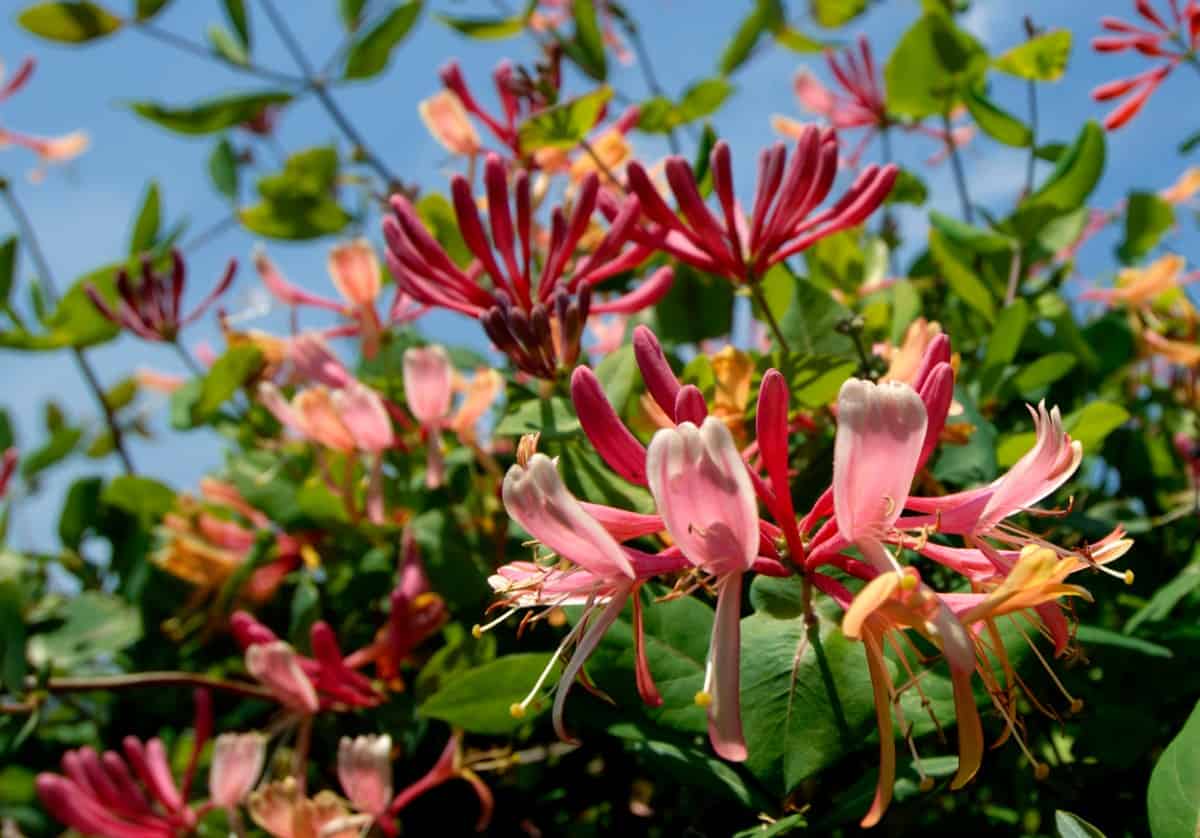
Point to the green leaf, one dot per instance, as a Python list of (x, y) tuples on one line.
[(1043, 372), (553, 418), (56, 449), (783, 826), (439, 217), (451, 557), (1004, 342), (1173, 797), (8, 268), (461, 653), (294, 221), (618, 374), (961, 278), (975, 462), (369, 55), (305, 608), (810, 321), (800, 711), (147, 9), (480, 700), (586, 49), (975, 239), (351, 12), (212, 115), (226, 376), (932, 62), (1043, 58), (298, 202), (1166, 598), (144, 498), (223, 169), (1075, 176), (1103, 637), (12, 637), (1073, 826), (660, 116), (908, 189), (1189, 143), (707, 298), (146, 225), (766, 16), (226, 45), (96, 625), (1147, 218), (235, 12), (816, 379), (489, 28), (1094, 422), (997, 123), (797, 41), (563, 125), (69, 22), (834, 13), (79, 510)]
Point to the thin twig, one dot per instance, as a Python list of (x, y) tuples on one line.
[(761, 302), (150, 30), (188, 361), (319, 87), (211, 233), (100, 683), (85, 368), (960, 179)]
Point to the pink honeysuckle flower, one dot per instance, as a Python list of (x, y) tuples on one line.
[(450, 766), (608, 334), (283, 811), (784, 220), (364, 768), (134, 796), (538, 326), (352, 418), (447, 122), (428, 389), (151, 309), (478, 396), (355, 272), (704, 495), (1173, 43), (237, 762), (335, 683), (48, 149), (8, 465), (606, 575)]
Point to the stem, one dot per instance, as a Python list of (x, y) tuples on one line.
[(960, 180), (209, 234), (188, 360), (85, 368), (149, 679), (765, 310), (1033, 128), (608, 173), (812, 627), (318, 86), (150, 30), (888, 221), (647, 68), (1014, 277)]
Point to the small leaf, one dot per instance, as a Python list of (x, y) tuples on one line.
[(1094, 422), (227, 375), (835, 13), (707, 297), (97, 625), (552, 418), (223, 169), (1103, 637), (79, 510), (351, 12), (564, 125), (797, 41), (212, 115), (294, 222), (12, 637), (1043, 372), (997, 123), (1164, 600), (973, 238), (370, 54), (57, 448), (226, 45), (1043, 58), (488, 28), (144, 498), (69, 22), (586, 49), (480, 700), (438, 215), (1005, 341), (1073, 826), (766, 16), (8, 268), (146, 225), (235, 12), (1076, 175), (147, 9), (908, 189), (1173, 797), (961, 278), (1147, 218)]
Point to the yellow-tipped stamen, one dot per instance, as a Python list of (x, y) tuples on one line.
[(703, 699), (477, 631), (562, 647), (517, 710), (1046, 665)]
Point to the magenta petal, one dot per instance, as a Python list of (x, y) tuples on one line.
[(650, 292), (656, 372), (591, 639), (937, 392), (690, 405), (725, 712), (613, 441)]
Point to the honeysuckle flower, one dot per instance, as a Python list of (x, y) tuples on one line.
[(151, 308), (608, 334), (1180, 352), (130, 796), (784, 220), (537, 325), (1173, 43), (364, 768), (479, 393), (704, 495), (283, 811), (295, 679), (732, 371), (355, 273), (352, 418), (606, 574), (450, 766), (428, 389), (1147, 287), (237, 762), (48, 149), (8, 465), (1183, 189), (552, 14), (447, 122)]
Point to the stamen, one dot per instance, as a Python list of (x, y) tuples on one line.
[(477, 630), (517, 710), (1076, 704)]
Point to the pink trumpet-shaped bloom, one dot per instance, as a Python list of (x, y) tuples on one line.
[(129, 796), (449, 767), (313, 361), (355, 272), (1173, 42), (428, 389), (703, 492), (364, 768), (48, 149), (352, 418), (237, 762), (785, 218), (880, 434), (277, 667), (446, 120)]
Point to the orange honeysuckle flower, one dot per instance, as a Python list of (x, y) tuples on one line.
[(1182, 190), (283, 811), (1183, 353), (1154, 285), (447, 122)]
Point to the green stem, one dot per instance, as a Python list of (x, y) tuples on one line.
[(104, 683), (960, 178), (812, 630), (181, 43), (761, 301)]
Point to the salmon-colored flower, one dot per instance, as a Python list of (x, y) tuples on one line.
[(49, 150), (446, 120), (428, 383), (349, 419), (1145, 287), (364, 768), (237, 762), (282, 810), (1183, 353), (1183, 189)]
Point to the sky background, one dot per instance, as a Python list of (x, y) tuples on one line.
[(83, 212)]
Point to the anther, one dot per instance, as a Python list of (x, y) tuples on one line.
[(703, 699)]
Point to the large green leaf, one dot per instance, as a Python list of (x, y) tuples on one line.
[(96, 626), (370, 54), (299, 201), (1043, 58), (226, 376), (144, 498), (69, 22), (480, 700), (996, 122), (1076, 175), (552, 418), (212, 115), (810, 322), (1167, 597), (1147, 218), (586, 49), (932, 62), (956, 269), (1174, 794), (708, 301), (766, 16), (564, 125), (146, 225)]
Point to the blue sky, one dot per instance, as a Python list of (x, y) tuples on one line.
[(83, 212)]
